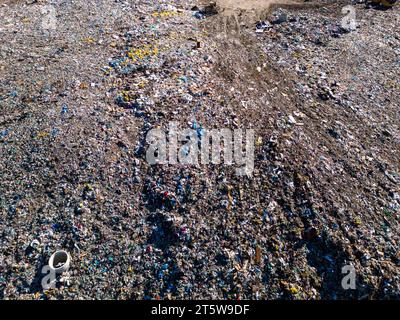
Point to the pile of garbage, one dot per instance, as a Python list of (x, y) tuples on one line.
[(321, 96)]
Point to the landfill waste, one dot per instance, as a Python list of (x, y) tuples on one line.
[(60, 261), (78, 98)]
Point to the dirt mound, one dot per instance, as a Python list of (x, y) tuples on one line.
[(261, 8), (247, 12), (253, 5)]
